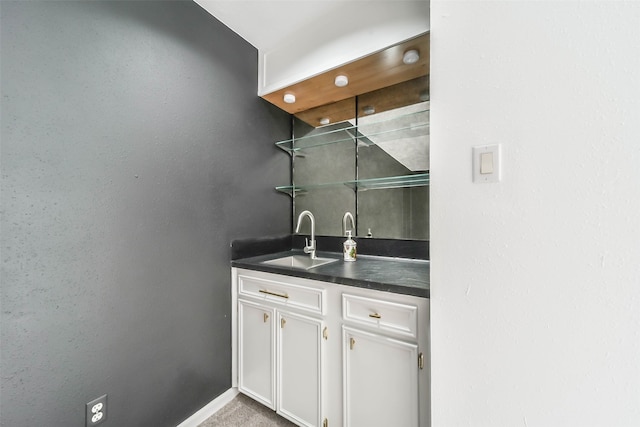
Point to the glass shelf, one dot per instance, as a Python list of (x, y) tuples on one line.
[(404, 181), (365, 132)]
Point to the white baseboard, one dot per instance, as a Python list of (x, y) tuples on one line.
[(210, 408)]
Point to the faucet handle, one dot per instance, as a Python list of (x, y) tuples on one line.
[(308, 248)]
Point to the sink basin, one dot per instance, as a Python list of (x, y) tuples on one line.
[(303, 262)]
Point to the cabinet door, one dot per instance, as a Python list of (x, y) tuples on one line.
[(256, 352), (380, 381), (300, 368)]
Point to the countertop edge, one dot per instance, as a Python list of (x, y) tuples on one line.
[(254, 263)]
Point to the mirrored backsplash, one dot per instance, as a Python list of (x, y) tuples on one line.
[(375, 166)]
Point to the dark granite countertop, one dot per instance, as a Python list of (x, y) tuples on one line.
[(397, 275)]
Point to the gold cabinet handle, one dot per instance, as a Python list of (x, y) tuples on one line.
[(282, 322), (262, 291), (375, 316), (325, 423), (266, 317), (352, 343), (325, 333), (421, 361)]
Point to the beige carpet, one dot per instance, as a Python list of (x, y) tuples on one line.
[(245, 412)]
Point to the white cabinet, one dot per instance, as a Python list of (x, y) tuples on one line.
[(257, 352), (280, 346), (327, 354), (383, 345), (380, 380), (300, 364)]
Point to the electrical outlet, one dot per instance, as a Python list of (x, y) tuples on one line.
[(96, 411)]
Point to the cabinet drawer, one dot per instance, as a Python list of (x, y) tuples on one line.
[(379, 314), (297, 296)]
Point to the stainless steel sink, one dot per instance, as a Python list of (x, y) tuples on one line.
[(303, 262)]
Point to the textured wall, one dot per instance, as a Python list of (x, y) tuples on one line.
[(535, 281), (134, 149)]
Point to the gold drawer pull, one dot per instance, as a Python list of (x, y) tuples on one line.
[(282, 322), (325, 333), (266, 317), (262, 291), (352, 343), (421, 361), (375, 316)]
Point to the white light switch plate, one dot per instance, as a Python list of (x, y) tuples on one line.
[(486, 163)]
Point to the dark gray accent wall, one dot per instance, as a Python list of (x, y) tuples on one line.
[(134, 149)]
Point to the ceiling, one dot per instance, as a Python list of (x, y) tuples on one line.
[(267, 24)]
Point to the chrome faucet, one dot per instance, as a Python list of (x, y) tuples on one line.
[(346, 216), (310, 247)]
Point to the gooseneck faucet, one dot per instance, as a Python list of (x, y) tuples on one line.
[(310, 247), (346, 216)]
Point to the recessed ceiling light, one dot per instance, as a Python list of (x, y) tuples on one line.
[(411, 56), (368, 109), (289, 98), (341, 81), (325, 121)]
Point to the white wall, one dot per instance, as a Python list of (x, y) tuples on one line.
[(536, 280)]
